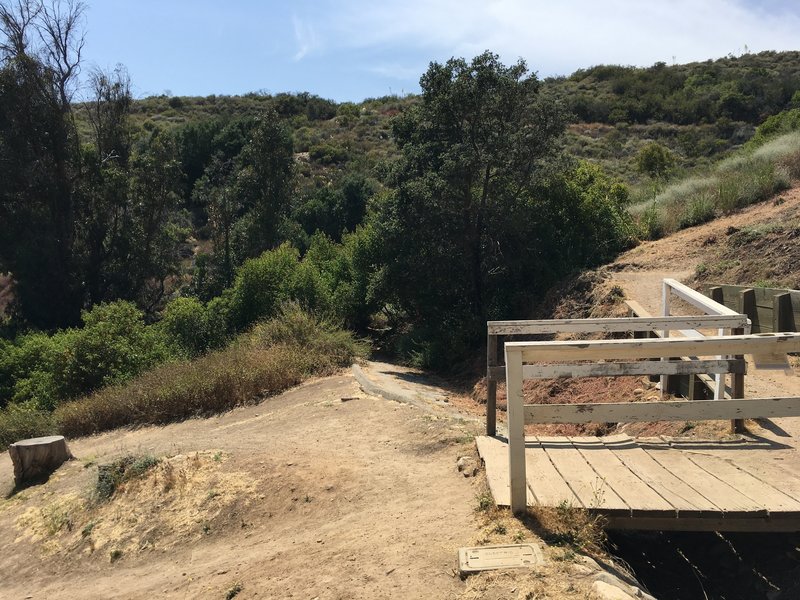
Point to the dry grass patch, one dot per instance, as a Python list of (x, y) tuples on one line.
[(160, 504), (275, 356)]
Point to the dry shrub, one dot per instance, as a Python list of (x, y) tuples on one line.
[(214, 383), (571, 526), (275, 356), (20, 422)]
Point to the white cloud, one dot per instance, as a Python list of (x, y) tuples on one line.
[(397, 70), (306, 37), (559, 36)]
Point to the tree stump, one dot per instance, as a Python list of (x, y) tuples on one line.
[(37, 457)]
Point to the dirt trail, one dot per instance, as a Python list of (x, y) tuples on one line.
[(321, 492)]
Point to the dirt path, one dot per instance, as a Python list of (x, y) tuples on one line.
[(322, 492)]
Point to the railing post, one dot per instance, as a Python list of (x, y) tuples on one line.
[(665, 333), (491, 385), (516, 431), (719, 378), (737, 389)]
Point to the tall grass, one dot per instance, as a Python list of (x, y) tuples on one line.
[(741, 180), (274, 356)]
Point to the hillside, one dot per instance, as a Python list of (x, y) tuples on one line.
[(699, 110)]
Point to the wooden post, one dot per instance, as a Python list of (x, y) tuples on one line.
[(737, 390), (781, 312), (747, 305), (665, 333), (716, 294), (692, 382), (516, 432), (491, 385)]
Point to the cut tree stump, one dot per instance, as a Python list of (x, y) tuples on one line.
[(37, 457)]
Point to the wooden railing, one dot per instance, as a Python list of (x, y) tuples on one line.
[(496, 330), (518, 356), (671, 287)]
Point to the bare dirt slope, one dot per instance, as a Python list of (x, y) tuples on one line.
[(304, 496)]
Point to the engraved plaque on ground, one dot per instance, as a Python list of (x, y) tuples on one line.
[(485, 558)]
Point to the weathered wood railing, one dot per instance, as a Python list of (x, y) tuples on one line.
[(495, 370), (670, 288), (518, 355)]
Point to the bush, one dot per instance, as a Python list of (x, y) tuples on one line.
[(266, 361), (18, 422), (262, 284), (113, 346), (27, 370), (185, 323), (655, 160), (332, 347)]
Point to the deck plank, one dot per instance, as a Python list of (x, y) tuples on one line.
[(545, 483), (650, 485), (718, 491), (588, 486), (688, 501), (494, 453), (760, 492), (639, 496)]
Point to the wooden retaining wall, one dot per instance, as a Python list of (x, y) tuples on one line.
[(771, 310)]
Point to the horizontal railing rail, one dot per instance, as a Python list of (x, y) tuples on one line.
[(495, 370)]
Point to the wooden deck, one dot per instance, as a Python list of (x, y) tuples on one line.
[(651, 485)]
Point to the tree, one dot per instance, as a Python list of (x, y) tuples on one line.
[(473, 150), (40, 53), (655, 160), (86, 220)]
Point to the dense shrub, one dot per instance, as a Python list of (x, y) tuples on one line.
[(114, 345), (262, 284), (191, 326)]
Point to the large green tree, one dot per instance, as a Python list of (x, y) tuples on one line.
[(85, 220), (40, 49), (473, 150)]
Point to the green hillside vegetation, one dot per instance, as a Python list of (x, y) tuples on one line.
[(769, 163)]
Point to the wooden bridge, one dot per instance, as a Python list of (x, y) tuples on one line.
[(678, 484)]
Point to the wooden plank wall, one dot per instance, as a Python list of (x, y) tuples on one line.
[(771, 310)]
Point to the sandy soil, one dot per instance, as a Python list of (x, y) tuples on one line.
[(304, 496)]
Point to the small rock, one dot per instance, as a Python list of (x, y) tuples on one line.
[(581, 570), (606, 591), (464, 462)]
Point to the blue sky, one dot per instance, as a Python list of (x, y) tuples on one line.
[(352, 49)]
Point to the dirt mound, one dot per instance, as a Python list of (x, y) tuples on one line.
[(180, 500)]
